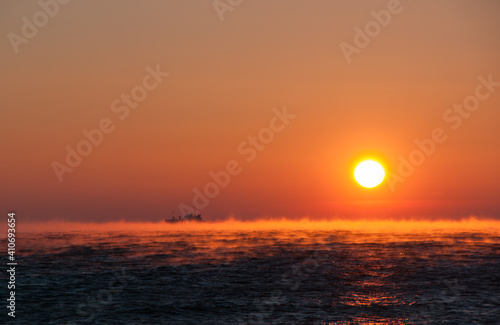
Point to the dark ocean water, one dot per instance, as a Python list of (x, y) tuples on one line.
[(256, 277)]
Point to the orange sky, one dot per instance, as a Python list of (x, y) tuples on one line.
[(227, 79)]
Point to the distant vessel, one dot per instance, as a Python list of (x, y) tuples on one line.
[(187, 218)]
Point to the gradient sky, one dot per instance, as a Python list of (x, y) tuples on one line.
[(225, 78)]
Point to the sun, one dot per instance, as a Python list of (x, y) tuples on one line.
[(369, 173)]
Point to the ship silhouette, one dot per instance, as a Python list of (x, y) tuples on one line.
[(189, 217)]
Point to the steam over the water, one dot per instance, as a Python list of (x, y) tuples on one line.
[(341, 224), (281, 272)]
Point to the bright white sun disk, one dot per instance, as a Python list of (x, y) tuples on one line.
[(369, 173)]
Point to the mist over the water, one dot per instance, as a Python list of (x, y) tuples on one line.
[(265, 272), (368, 225)]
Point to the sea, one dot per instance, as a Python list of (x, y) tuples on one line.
[(256, 273)]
